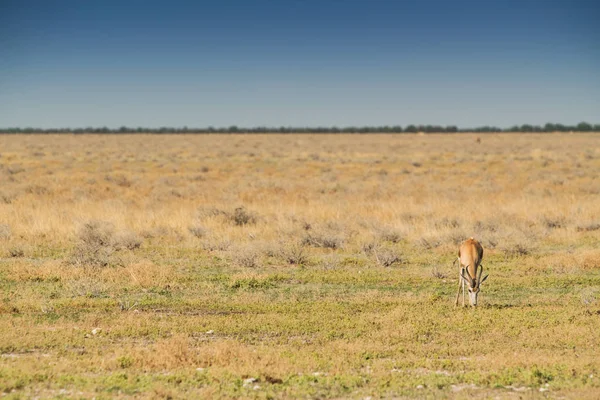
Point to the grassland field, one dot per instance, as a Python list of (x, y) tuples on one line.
[(298, 266)]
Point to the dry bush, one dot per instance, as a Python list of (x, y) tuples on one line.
[(368, 247), (267, 248), (590, 260), (161, 231), (87, 286), (487, 240), (97, 234), (390, 235), (590, 296), (429, 241), (387, 257), (119, 179), (7, 198), (241, 217), (216, 244), (293, 254), (571, 262), (436, 273), (594, 226), (197, 230), (446, 223), (128, 240), (324, 239), (456, 237), (485, 226), (516, 250), (553, 222), (98, 243), (16, 252), (4, 231), (37, 190), (330, 261), (208, 212), (247, 257)]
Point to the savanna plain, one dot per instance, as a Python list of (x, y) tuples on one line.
[(298, 266)]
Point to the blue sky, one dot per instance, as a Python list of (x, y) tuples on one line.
[(298, 62)]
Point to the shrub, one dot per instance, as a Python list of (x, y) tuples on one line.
[(389, 235), (216, 245), (429, 242), (293, 254), (589, 227), (128, 240), (516, 250), (243, 217), (327, 240), (387, 257), (197, 230), (4, 231), (246, 257), (97, 234), (120, 180), (16, 252), (98, 242)]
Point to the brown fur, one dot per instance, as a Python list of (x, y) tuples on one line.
[(470, 254)]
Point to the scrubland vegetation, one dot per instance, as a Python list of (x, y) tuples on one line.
[(298, 266)]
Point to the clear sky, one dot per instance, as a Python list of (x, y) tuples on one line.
[(298, 62)]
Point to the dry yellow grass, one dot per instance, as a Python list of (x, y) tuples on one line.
[(297, 265)]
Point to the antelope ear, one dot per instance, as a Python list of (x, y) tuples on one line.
[(483, 280)]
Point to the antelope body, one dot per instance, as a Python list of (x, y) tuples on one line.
[(470, 254)]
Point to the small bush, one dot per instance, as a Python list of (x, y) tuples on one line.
[(369, 247), (554, 223), (215, 245), (120, 180), (387, 257), (293, 254), (436, 273), (197, 230), (207, 212), (247, 258), (97, 234), (429, 242), (128, 240), (330, 261), (252, 284), (590, 296), (159, 231), (391, 236), (7, 198), (589, 227), (87, 287), (482, 226), (37, 190), (516, 250), (447, 223), (16, 252), (456, 237), (325, 240), (4, 231), (98, 242), (243, 217)]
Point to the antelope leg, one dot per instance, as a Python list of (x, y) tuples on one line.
[(463, 281), (458, 292)]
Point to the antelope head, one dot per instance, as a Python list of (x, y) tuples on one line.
[(473, 283)]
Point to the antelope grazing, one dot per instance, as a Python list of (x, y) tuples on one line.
[(470, 254)]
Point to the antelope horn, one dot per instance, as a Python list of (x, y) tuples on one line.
[(468, 277), (480, 272)]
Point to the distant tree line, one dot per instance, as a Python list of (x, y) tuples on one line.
[(549, 127)]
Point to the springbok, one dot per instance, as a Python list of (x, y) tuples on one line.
[(470, 254)]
